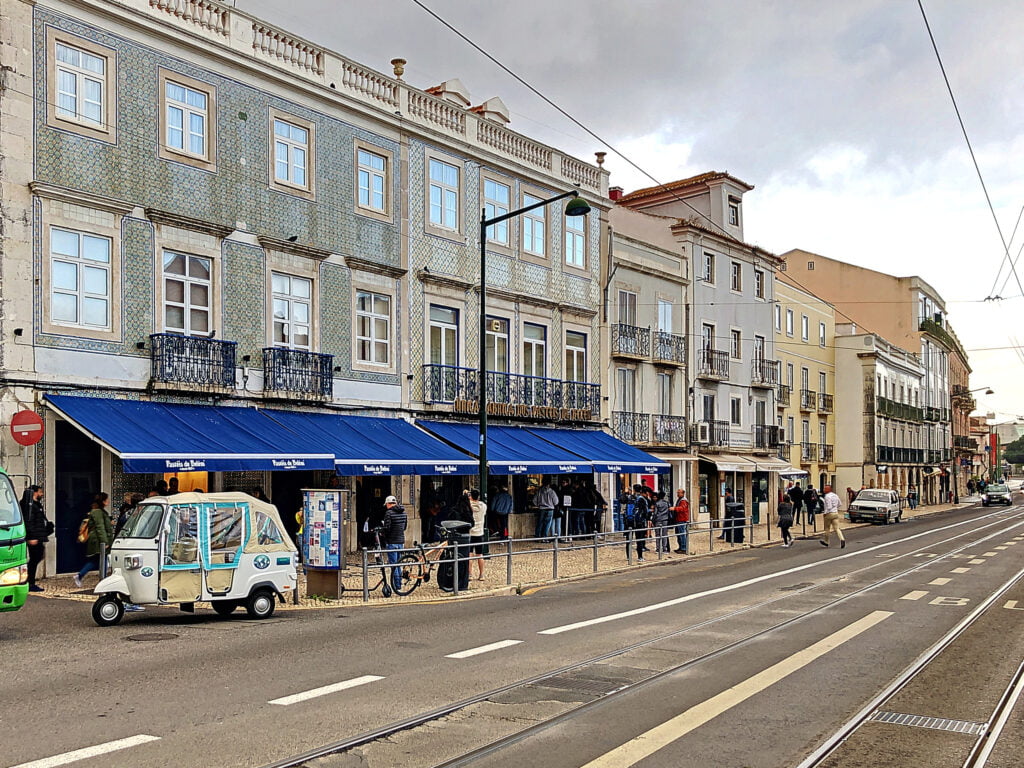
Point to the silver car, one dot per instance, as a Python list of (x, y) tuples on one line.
[(996, 494), (879, 505)]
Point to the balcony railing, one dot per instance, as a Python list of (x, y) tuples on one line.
[(631, 427), (825, 453), (669, 430), (808, 399), (631, 340), (713, 364), (512, 394), (669, 348), (934, 456), (890, 455), (192, 362), (767, 436), (808, 452), (824, 402), (782, 395), (964, 443), (296, 373), (896, 410), (932, 414), (764, 373), (712, 432)]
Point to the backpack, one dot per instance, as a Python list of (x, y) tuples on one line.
[(627, 506), (641, 513), (83, 530)]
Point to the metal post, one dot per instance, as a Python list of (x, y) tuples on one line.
[(657, 541), (482, 376), (629, 549), (366, 578), (455, 568), (508, 562), (595, 552), (554, 558)]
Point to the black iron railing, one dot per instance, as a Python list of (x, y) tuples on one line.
[(669, 347), (713, 364), (896, 410), (825, 453), (192, 360), (964, 443), (890, 454), (782, 395), (825, 402), (808, 399), (631, 427), (767, 436), (764, 373), (712, 432), (932, 414), (631, 340), (808, 452), (669, 430), (297, 373)]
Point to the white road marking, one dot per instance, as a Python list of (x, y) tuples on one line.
[(960, 570), (957, 601), (87, 752), (976, 561), (1012, 605), (990, 554), (1001, 548), (737, 585), (483, 649), (646, 744), (939, 582), (917, 594), (1009, 543), (295, 698)]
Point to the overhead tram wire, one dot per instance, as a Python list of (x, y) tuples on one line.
[(1006, 247)]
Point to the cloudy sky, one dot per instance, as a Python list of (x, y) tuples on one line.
[(835, 111)]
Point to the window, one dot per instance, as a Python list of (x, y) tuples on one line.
[(734, 344), (576, 241), (709, 267), (291, 154), (734, 410), (665, 394), (371, 180), (789, 322), (187, 117), (575, 356), (823, 432), (81, 86), (534, 226), (627, 308), (707, 336), (789, 377), (789, 429), (810, 266), (759, 283), (373, 328), (187, 294), (444, 336), (444, 195), (497, 345), (80, 279), (821, 334), (664, 316), (734, 211), (759, 347), (708, 407), (805, 431), (736, 280), (292, 299), (625, 385), (805, 379), (496, 203), (804, 327), (821, 382), (778, 317), (760, 412), (534, 350)]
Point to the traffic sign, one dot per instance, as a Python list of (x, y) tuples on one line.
[(27, 428)]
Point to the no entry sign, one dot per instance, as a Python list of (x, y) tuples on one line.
[(27, 427)]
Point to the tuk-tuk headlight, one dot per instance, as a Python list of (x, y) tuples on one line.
[(132, 562), (14, 576)]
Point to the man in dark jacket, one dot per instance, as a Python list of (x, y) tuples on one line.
[(393, 536), (37, 531), (641, 521), (796, 495)]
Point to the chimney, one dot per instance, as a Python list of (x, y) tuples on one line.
[(614, 193), (493, 109), (452, 91)]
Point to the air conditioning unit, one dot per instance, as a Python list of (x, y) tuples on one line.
[(703, 433)]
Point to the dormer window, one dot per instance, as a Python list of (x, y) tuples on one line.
[(734, 211)]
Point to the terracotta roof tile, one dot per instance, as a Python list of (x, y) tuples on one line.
[(671, 186)]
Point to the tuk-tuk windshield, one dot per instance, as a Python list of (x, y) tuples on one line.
[(144, 522), (10, 510)]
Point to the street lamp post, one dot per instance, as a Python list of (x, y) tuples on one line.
[(956, 457), (575, 207)]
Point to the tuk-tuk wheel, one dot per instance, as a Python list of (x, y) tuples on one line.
[(108, 610), (260, 604), (224, 607)]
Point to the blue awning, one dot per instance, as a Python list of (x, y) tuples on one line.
[(606, 453), (368, 445), (511, 450), (169, 437)]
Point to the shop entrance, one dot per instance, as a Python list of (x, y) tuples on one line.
[(370, 495), (77, 460), (286, 494)]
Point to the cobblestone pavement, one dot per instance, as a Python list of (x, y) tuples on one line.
[(533, 563)]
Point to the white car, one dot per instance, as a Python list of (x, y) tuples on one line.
[(877, 505)]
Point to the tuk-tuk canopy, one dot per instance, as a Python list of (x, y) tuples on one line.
[(260, 518)]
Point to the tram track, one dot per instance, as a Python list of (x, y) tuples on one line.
[(996, 520)]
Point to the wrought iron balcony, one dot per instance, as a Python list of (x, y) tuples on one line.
[(808, 452), (782, 395), (669, 348), (711, 432), (934, 456), (892, 455), (631, 427), (192, 363), (767, 437), (965, 443), (631, 340), (297, 374), (512, 394), (895, 410), (764, 373), (669, 430), (713, 364), (825, 453), (824, 402), (932, 414), (808, 399)]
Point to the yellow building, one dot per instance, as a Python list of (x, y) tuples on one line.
[(804, 344)]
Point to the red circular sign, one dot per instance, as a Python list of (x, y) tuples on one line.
[(27, 428)]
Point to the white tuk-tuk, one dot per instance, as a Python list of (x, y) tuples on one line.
[(227, 549)]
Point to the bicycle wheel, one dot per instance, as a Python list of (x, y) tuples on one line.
[(412, 573)]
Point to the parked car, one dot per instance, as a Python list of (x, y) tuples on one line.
[(997, 494), (876, 505)]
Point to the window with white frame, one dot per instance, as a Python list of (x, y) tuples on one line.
[(497, 197), (497, 345), (444, 336), (821, 334), (534, 350), (736, 276), (707, 336), (821, 382), (759, 347), (735, 406), (735, 344), (804, 327), (805, 379), (534, 225), (789, 377), (576, 241), (709, 267), (708, 407), (789, 322), (292, 299), (734, 211), (187, 119), (664, 316), (80, 279), (759, 283), (575, 356), (778, 318), (625, 385), (627, 308), (373, 328), (823, 432), (81, 85), (372, 180), (291, 153), (665, 393), (444, 195), (187, 294), (789, 429), (805, 431)]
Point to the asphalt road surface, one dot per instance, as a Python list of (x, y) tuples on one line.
[(757, 658)]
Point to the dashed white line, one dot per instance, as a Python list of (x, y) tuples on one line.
[(960, 570), (990, 554), (976, 561), (483, 649), (1003, 547), (939, 582), (87, 752), (917, 594), (295, 698)]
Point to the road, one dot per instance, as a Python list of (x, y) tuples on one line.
[(754, 658)]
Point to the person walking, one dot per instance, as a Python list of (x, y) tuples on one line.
[(393, 536), (785, 521), (970, 487), (811, 503), (912, 496), (37, 532), (545, 500), (831, 517), (101, 533), (682, 517), (477, 541), (501, 508), (796, 497), (661, 519), (641, 521)]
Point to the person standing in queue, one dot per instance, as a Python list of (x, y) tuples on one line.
[(501, 508), (682, 518), (545, 500), (477, 541), (37, 531), (661, 519), (393, 536), (796, 496), (641, 521)]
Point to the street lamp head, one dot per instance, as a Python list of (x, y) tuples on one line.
[(989, 391), (577, 206)]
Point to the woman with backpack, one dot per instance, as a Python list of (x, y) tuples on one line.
[(99, 535)]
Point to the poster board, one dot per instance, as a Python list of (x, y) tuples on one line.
[(323, 528)]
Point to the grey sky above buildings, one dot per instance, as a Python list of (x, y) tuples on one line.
[(835, 111)]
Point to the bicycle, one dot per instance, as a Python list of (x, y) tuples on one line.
[(417, 566), (384, 584)]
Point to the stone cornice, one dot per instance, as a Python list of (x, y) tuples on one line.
[(446, 281), (187, 222), (578, 310), (77, 197), (364, 265)]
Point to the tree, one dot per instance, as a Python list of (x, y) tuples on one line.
[(1014, 452)]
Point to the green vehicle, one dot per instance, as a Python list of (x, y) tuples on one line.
[(13, 549)]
